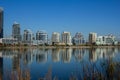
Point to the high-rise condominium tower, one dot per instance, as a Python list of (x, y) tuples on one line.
[(66, 38), (92, 37), (55, 37), (28, 36), (16, 31), (42, 36)]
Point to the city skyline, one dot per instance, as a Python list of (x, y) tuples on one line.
[(73, 16), (42, 37)]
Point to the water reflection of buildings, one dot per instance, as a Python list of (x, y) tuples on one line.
[(15, 72), (41, 55), (28, 56), (13, 54), (92, 55), (16, 63), (101, 53), (66, 55), (55, 55), (78, 53), (1, 66), (107, 53), (10, 53)]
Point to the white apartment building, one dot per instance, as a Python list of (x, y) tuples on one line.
[(92, 37), (28, 36), (66, 38), (106, 40), (55, 37), (8, 41)]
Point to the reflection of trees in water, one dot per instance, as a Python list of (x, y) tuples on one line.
[(17, 73), (1, 68), (95, 70), (107, 70)]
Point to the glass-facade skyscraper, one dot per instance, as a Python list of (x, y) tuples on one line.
[(16, 31), (42, 36), (1, 22), (28, 36), (78, 39)]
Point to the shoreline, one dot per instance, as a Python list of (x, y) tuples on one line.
[(61, 47)]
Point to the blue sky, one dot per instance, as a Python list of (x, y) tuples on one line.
[(101, 16)]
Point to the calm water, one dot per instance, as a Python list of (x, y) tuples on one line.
[(57, 64)]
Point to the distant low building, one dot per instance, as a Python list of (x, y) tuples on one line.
[(8, 41), (78, 39), (38, 42), (106, 40)]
